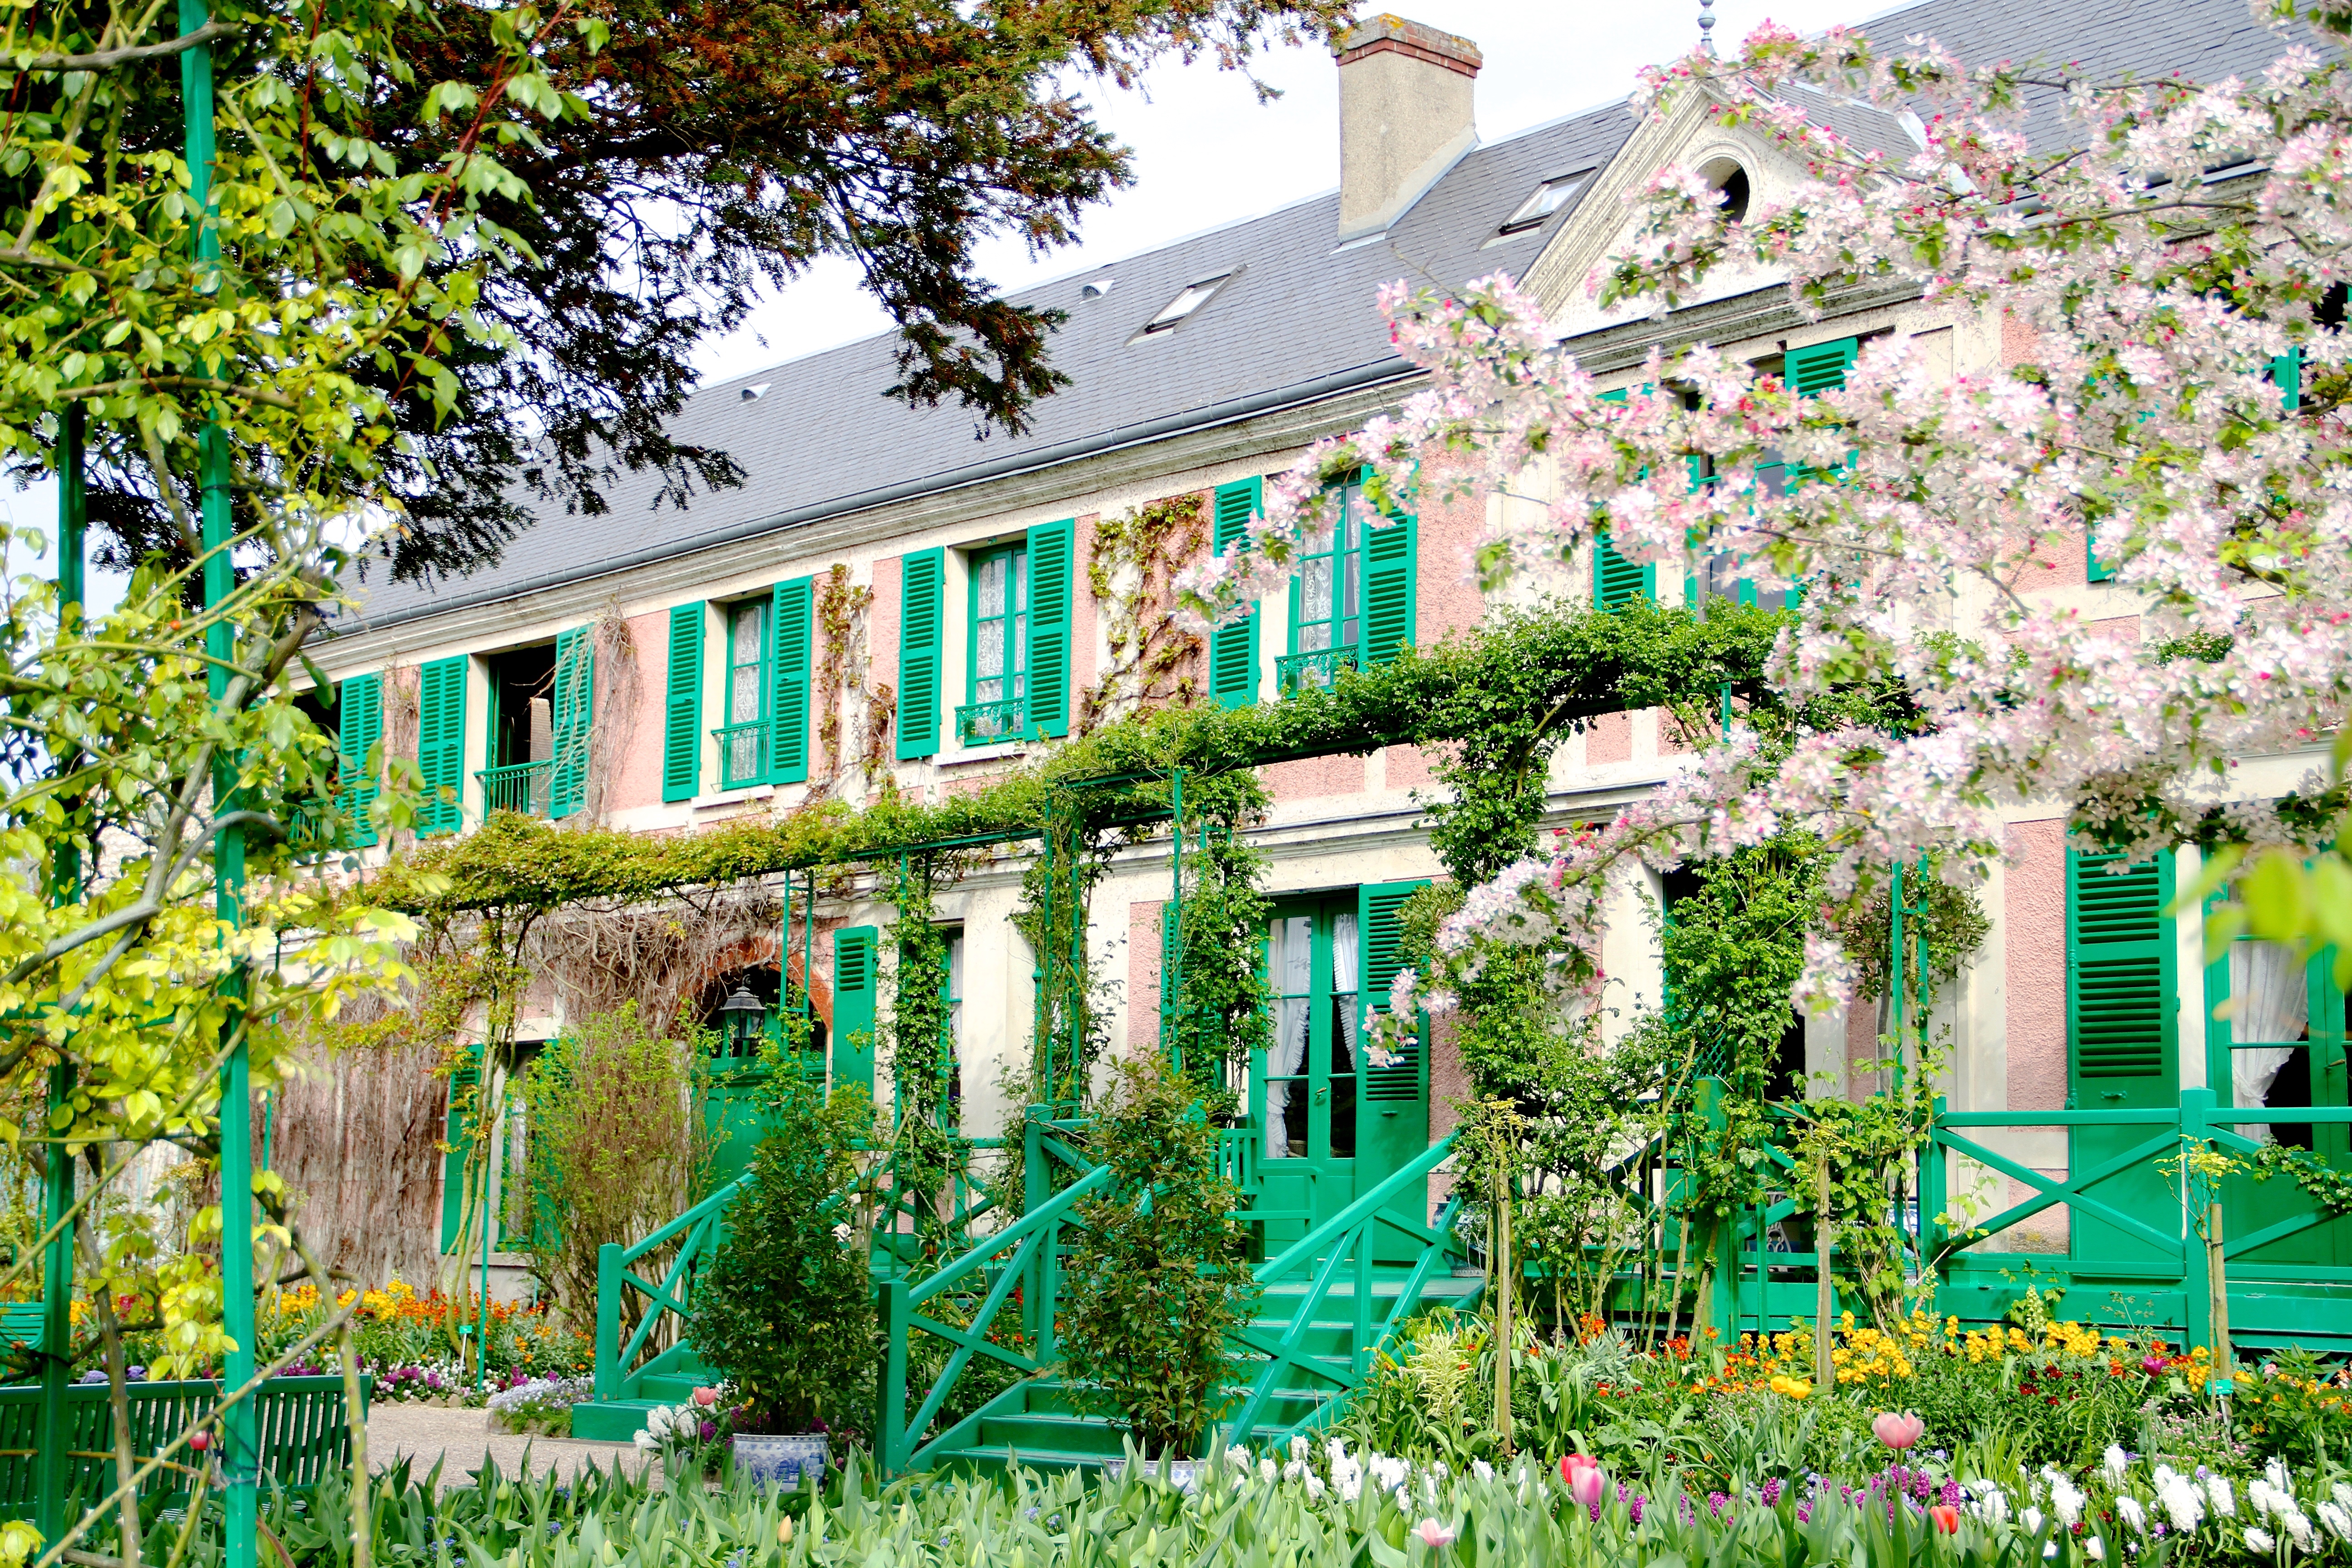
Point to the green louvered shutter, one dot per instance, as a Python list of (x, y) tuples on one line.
[(358, 726), (790, 613), (2119, 982), (922, 581), (1046, 701), (1821, 367), (575, 716), (441, 743), (682, 706), (1393, 1114), (1617, 581), (2121, 1051), (1233, 647), (1390, 567), (853, 1007), (2286, 372)]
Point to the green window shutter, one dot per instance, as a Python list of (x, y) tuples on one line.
[(921, 584), (1821, 367), (458, 1135), (574, 716), (1390, 553), (1047, 699), (2120, 984), (1378, 940), (441, 742), (2097, 570), (682, 708), (790, 613), (358, 726), (1617, 581), (853, 1005), (2286, 371), (1233, 647)]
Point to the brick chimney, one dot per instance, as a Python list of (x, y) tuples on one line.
[(1405, 94)]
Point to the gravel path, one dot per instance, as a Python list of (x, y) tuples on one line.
[(460, 1438)]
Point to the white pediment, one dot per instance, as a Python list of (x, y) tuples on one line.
[(1603, 225)]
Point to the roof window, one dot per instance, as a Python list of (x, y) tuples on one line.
[(1189, 298), (1546, 200)]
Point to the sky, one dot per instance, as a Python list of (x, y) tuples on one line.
[(1207, 153)]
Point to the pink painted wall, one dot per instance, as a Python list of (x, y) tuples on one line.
[(882, 639), (1610, 740), (1313, 778), (1142, 974), (1447, 597), (1409, 768), (2033, 916), (636, 781)]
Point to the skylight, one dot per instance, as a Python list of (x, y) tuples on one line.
[(1191, 297), (1545, 201)]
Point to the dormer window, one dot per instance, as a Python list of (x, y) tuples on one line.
[(1544, 200), (1191, 297)]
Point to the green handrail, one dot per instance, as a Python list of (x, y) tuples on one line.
[(612, 1276)]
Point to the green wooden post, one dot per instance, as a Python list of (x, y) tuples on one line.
[(608, 1322), (2196, 1271), (1035, 1190), (1173, 958), (891, 1419), (57, 1181), (1897, 992)]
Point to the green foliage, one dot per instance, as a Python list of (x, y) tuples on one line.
[(1218, 1012), (786, 1311), (1956, 926), (1160, 1272), (617, 1146)]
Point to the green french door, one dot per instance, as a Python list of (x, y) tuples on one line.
[(1335, 1123), (2275, 1039)]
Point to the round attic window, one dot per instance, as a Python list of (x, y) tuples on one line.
[(1728, 178)]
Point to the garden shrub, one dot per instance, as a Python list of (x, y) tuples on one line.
[(787, 1309), (617, 1148), (1160, 1275)]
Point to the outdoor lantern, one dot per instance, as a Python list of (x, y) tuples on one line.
[(742, 1021)]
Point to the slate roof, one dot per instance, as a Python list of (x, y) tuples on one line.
[(1298, 317)]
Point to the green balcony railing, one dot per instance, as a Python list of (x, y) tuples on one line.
[(519, 786), (1321, 668), (743, 753), (990, 724)]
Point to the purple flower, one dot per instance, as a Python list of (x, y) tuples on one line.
[(1804, 1513), (1636, 1506), (1771, 1491), (710, 1430), (1951, 1494)]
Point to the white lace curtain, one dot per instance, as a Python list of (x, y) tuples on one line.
[(2268, 1006), (1344, 958), (1293, 954)]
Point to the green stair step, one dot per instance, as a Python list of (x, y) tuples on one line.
[(615, 1420)]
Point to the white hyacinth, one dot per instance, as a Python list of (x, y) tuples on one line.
[(2182, 1504), (2032, 1521), (1238, 1457), (2128, 1508), (1482, 1469), (1266, 1472), (1315, 1487), (2298, 1524), (2259, 1540), (2218, 1488), (1989, 1502), (2275, 1473), (1300, 1448), (2337, 1520), (2117, 1462), (2066, 1500), (2094, 1549), (2343, 1496)]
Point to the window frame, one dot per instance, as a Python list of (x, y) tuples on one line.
[(760, 665), (1015, 616)]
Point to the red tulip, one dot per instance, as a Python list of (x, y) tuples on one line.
[(1947, 1518), (200, 1441)]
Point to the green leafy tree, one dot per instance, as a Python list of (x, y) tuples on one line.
[(1160, 1274)]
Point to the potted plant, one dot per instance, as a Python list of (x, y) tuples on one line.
[(1160, 1275), (785, 1311)]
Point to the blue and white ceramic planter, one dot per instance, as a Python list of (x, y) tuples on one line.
[(1184, 1475), (782, 1461)]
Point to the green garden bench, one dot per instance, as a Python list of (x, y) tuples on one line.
[(302, 1432)]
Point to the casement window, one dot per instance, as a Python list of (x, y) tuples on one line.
[(441, 743), (997, 647), (1809, 371), (1233, 647), (742, 733), (1351, 602), (763, 665), (540, 719), (1016, 628)]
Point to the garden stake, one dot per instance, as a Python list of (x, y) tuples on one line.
[(1824, 1296), (2218, 1271), (1503, 1272)]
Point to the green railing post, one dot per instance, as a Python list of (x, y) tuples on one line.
[(891, 1419), (1935, 1179), (57, 1179), (2197, 1273), (608, 1322), (1359, 1358), (1035, 1188)]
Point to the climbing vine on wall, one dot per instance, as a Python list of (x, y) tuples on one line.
[(842, 611), (1131, 568), (1215, 1009)]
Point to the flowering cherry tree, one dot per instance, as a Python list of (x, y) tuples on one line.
[(2163, 257)]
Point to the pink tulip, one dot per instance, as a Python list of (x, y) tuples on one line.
[(706, 1397), (1572, 1463), (1433, 1535), (1587, 1485), (1898, 1431)]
